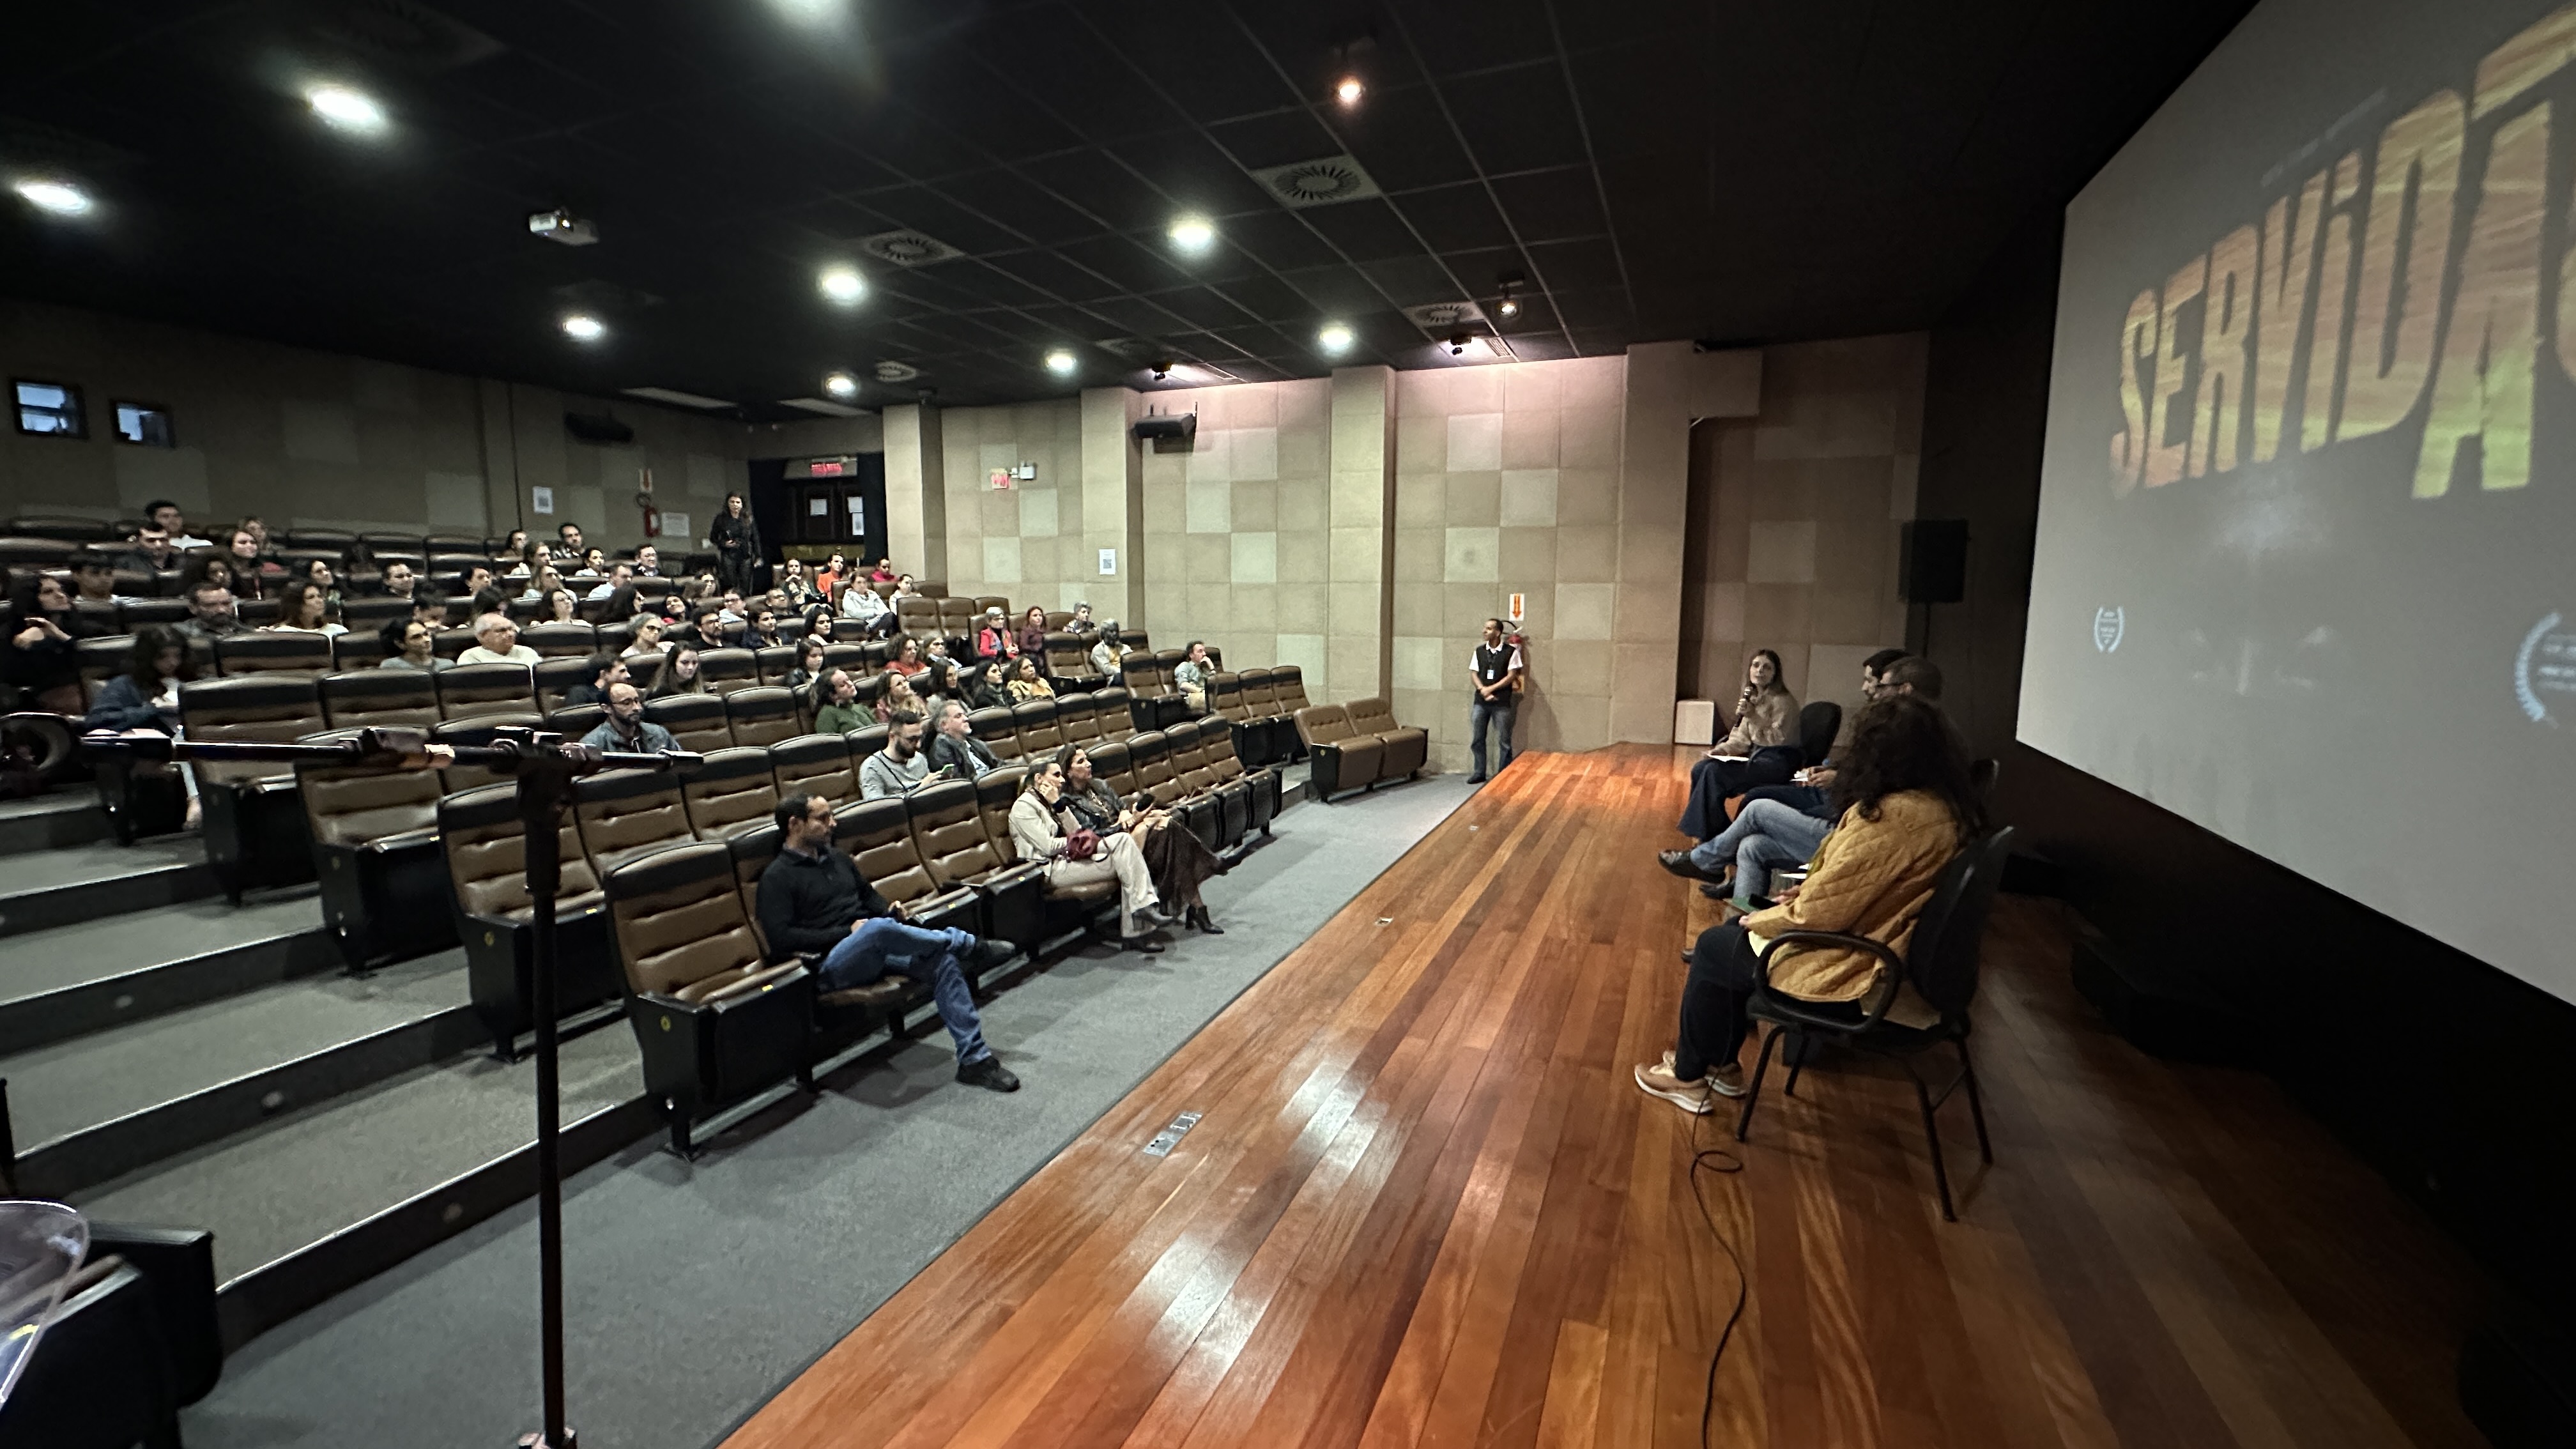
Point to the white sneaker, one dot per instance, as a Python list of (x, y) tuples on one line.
[(1657, 1080)]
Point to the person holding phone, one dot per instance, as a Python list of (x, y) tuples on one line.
[(901, 767)]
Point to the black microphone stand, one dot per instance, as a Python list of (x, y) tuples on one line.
[(544, 766)]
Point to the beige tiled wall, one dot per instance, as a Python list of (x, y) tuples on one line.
[(1023, 542), (1800, 514)]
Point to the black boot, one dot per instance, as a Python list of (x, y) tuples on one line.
[(1200, 918)]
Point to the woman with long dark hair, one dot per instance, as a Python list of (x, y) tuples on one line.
[(1904, 807), (678, 674), (1178, 860), (146, 697), (736, 538), (1760, 749), (302, 608)]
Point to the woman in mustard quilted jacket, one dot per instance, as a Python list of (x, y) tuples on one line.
[(1905, 807)]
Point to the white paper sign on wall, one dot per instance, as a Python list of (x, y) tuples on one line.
[(675, 525), (1108, 563), (541, 500)]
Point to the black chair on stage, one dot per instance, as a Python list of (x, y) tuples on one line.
[(1818, 725), (1940, 962)]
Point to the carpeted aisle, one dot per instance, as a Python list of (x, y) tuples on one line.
[(695, 1290)]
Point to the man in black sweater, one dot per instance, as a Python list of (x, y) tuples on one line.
[(813, 900)]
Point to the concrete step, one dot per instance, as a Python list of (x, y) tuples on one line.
[(71, 883), (100, 1105), (68, 981), (50, 821)]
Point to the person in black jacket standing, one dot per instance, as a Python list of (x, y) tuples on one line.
[(814, 901), (737, 541)]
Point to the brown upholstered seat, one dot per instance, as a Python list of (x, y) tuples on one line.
[(698, 721), (815, 765), (370, 698), (1110, 706), (1344, 759), (576, 640), (878, 836), (726, 670), (1034, 721), (625, 814), (998, 728), (470, 691), (1407, 747), (729, 793), (375, 839), (266, 651), (763, 716)]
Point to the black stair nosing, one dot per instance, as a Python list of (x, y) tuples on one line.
[(175, 883), (65, 1012), (74, 821), (137, 1140), (263, 1297)]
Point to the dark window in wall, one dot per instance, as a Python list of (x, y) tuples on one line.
[(50, 410), (145, 424)]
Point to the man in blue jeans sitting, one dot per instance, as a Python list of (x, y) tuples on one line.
[(813, 901)]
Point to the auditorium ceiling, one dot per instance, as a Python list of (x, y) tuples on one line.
[(1005, 178)]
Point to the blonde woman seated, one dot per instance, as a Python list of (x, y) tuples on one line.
[(1027, 683), (1905, 808), (1048, 834), (1761, 749)]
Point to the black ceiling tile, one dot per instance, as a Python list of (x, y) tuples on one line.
[(1517, 120), (1100, 185), (1594, 307), (1201, 307), (1552, 205), (1279, 240), (1456, 38), (1193, 171), (929, 210), (1126, 264), (1363, 231), (1275, 139), (1454, 218), (1197, 56), (1415, 280), (1341, 293), (1269, 297), (1405, 141), (1053, 275), (1564, 266), (1009, 199)]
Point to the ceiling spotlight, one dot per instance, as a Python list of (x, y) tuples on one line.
[(562, 226), (1162, 368), (1193, 234), (1349, 90), (1508, 308), (1335, 338), (59, 197), (582, 327), (841, 384), (1060, 362), (346, 109), (842, 284)]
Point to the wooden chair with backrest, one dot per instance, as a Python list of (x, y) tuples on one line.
[(1940, 961)]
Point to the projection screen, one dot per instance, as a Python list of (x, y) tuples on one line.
[(2306, 568)]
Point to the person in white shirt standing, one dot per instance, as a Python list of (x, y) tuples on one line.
[(1495, 667)]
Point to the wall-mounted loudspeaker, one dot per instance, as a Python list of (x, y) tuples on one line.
[(1932, 561), (597, 428), (1169, 432)]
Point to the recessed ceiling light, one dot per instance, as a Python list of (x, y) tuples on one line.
[(1334, 338), (1349, 91), (1193, 234), (59, 197), (347, 109), (842, 284), (841, 384), (1060, 362), (1507, 308), (582, 327)]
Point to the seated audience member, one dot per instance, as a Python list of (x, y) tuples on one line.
[(818, 625), (1032, 635), (152, 553), (558, 607), (1761, 749), (809, 664), (474, 580), (830, 574), (861, 603), (568, 547), (907, 659), (94, 576), (814, 903), (731, 609), (1077, 855), (210, 613), (995, 639), (898, 696), (165, 516), (626, 729), (903, 589), (935, 686), (1081, 623), (705, 628), (145, 696), (302, 608), (837, 710), (396, 581), (884, 573), (606, 671), (545, 580), (429, 606), (317, 572), (496, 641), (648, 636), (988, 686), (1027, 683), (679, 673), (620, 575), (901, 767), (1106, 654), (1494, 667), (954, 748), (531, 557), (1177, 859), (794, 588), (594, 564), (252, 574), (1906, 809), (648, 562), (515, 545), (410, 644), (492, 599), (761, 632), (1192, 675), (43, 659)]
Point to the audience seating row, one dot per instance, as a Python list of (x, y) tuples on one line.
[(1358, 746), (1262, 705)]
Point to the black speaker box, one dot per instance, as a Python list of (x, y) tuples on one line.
[(1932, 561), (2158, 1013)]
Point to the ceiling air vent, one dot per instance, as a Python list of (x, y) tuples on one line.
[(907, 248), (897, 372), (1317, 183), (402, 31), (1442, 319)]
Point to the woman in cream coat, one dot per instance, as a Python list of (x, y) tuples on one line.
[(1042, 837)]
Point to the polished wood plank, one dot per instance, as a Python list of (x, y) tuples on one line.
[(1427, 1207)]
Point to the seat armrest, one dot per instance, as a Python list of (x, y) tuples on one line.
[(948, 899), (401, 840), (1880, 949), (994, 881)]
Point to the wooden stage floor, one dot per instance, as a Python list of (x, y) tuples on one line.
[(1427, 1206)]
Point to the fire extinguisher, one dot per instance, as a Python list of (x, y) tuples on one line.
[(652, 515)]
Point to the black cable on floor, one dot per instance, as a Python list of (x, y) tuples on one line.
[(1716, 1160)]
